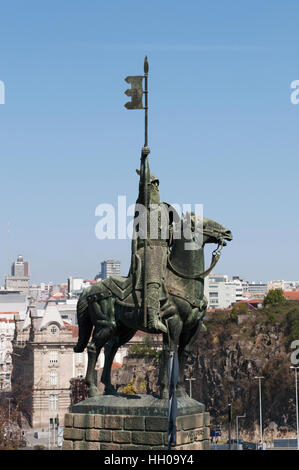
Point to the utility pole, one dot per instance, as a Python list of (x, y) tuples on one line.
[(260, 399), (229, 425), (237, 429)]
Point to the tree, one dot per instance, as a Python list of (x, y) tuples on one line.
[(274, 297), (238, 309), (10, 432)]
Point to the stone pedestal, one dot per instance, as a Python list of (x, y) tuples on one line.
[(134, 423)]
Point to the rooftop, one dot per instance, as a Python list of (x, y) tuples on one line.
[(291, 295)]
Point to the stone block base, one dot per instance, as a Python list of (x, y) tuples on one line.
[(135, 423)]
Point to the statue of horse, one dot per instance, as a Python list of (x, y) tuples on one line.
[(112, 311)]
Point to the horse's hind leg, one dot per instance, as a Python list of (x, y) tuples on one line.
[(110, 350), (93, 352), (84, 323)]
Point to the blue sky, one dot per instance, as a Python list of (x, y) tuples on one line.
[(222, 129)]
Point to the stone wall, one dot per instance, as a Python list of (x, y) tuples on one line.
[(124, 432)]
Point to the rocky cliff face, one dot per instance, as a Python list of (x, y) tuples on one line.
[(224, 361)]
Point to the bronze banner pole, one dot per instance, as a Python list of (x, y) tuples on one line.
[(146, 68)]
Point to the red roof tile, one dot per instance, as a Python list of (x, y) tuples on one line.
[(10, 313), (291, 295)]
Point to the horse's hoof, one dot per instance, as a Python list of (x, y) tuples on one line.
[(111, 391), (78, 349), (92, 392)]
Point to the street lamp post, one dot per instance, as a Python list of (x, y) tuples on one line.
[(237, 429), (190, 386), (260, 397), (297, 417)]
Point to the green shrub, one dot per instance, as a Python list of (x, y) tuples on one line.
[(274, 297)]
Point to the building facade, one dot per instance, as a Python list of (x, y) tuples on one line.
[(284, 285), (44, 359), (109, 268), (20, 267), (222, 292), (256, 290)]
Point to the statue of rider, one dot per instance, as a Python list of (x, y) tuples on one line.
[(153, 224)]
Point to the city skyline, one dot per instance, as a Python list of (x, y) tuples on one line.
[(222, 128), (115, 268)]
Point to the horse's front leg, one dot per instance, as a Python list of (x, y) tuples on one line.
[(189, 335), (124, 335)]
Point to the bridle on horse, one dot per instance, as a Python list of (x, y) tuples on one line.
[(215, 258)]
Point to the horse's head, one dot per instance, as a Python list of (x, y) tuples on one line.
[(201, 230), (215, 233)]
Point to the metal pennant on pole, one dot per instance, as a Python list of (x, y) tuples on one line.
[(173, 372)]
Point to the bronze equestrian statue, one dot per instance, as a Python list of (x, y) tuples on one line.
[(112, 311)]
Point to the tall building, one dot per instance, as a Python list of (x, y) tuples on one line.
[(110, 267), (20, 267), (19, 279)]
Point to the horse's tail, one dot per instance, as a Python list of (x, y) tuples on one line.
[(84, 322)]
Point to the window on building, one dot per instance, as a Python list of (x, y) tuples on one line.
[(53, 402), (53, 329), (53, 377), (53, 357), (213, 294)]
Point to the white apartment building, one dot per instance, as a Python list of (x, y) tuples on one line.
[(256, 290), (284, 285), (222, 292)]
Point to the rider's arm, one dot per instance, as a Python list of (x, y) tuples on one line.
[(144, 174)]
